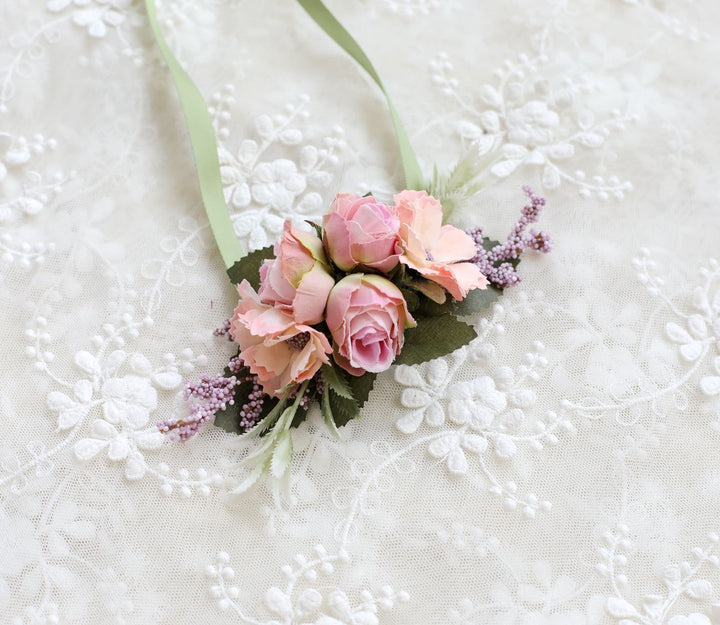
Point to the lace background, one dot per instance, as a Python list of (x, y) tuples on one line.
[(561, 469)]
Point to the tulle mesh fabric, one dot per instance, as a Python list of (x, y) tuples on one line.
[(560, 469)]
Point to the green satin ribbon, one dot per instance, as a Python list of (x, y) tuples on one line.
[(327, 21), (202, 133), (202, 137)]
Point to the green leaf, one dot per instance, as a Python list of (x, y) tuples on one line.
[(318, 229), (248, 267), (434, 337), (282, 455), (327, 413), (361, 386), (336, 379), (342, 408), (476, 301)]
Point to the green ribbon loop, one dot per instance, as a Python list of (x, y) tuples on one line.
[(202, 137), (327, 21)]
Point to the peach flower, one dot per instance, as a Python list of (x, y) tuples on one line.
[(439, 253), (298, 279), (273, 345)]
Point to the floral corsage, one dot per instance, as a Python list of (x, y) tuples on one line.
[(330, 306)]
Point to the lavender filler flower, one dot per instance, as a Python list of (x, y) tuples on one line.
[(495, 263)]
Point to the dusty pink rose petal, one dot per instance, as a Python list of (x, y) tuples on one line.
[(367, 316), (264, 334), (298, 279), (439, 253), (361, 232)]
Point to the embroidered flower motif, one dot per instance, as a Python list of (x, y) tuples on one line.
[(421, 395), (475, 403), (710, 384), (122, 446), (96, 15), (129, 399)]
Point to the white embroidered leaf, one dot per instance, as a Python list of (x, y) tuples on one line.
[(591, 139), (491, 96), (434, 415), (140, 364), (278, 602), (697, 326), (83, 390), (87, 362), (710, 385), (505, 446), (59, 401), (167, 380), (62, 577), (248, 151), (619, 608), (483, 145), (72, 415), (119, 448), (475, 444), (408, 376), (309, 601), (250, 480), (437, 371), (291, 136), (522, 397), (677, 334), (691, 351), (87, 448), (504, 168), (18, 156), (410, 422), (308, 157), (490, 121), (135, 466), (551, 177), (468, 130), (457, 462), (114, 361), (700, 589), (29, 205), (440, 447), (414, 398), (671, 576), (264, 126)]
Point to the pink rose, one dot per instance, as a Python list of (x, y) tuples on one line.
[(360, 231), (437, 252), (367, 316), (273, 345), (298, 279)]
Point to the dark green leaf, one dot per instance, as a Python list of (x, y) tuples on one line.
[(336, 379), (434, 337), (327, 413), (476, 301), (412, 299), (248, 267), (343, 409), (361, 386), (318, 229)]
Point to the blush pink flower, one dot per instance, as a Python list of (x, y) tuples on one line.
[(297, 280), (273, 345), (439, 253), (361, 232), (367, 316)]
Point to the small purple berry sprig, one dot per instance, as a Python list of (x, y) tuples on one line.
[(215, 393), (495, 263)]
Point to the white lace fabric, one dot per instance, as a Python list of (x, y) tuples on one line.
[(560, 469)]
